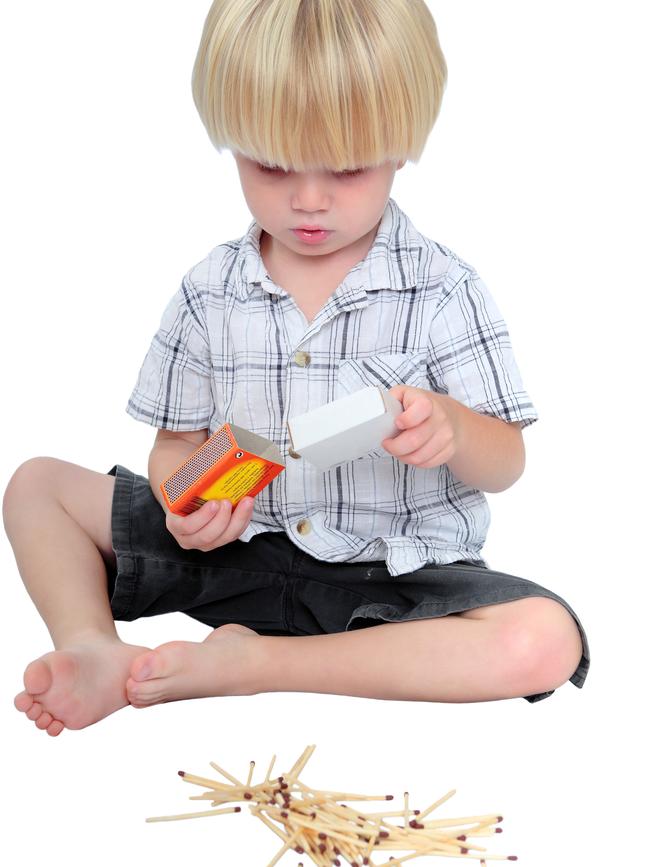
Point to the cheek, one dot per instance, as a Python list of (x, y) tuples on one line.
[(374, 196), (260, 202)]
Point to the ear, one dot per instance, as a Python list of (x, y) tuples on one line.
[(400, 165)]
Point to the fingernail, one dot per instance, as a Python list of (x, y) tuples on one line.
[(216, 505), (145, 672)]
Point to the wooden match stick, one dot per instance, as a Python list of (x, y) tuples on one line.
[(436, 804), (281, 852), (487, 827), (483, 857), (203, 781), (227, 776), (210, 796), (268, 773), (301, 762), (369, 847), (347, 796), (193, 815), (313, 822), (262, 817), (466, 820), (404, 858), (450, 844)]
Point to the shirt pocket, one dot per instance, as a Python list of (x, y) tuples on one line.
[(384, 370)]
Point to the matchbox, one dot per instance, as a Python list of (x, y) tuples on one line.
[(345, 429)]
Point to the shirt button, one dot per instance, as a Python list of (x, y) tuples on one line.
[(303, 359), (303, 527), (293, 454)]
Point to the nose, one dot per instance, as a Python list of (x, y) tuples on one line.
[(311, 192)]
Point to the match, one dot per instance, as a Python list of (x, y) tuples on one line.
[(315, 823)]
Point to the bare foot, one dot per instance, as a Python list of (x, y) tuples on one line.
[(78, 685), (222, 664)]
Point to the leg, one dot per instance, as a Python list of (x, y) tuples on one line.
[(499, 651), (58, 520)]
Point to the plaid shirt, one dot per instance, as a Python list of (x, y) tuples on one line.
[(234, 347)]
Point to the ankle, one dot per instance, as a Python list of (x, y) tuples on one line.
[(85, 635), (268, 671)]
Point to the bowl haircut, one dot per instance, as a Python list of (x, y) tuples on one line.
[(310, 85)]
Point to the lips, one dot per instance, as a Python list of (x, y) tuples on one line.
[(313, 235), (310, 229)]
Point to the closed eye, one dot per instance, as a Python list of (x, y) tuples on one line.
[(276, 170), (350, 173), (271, 170)]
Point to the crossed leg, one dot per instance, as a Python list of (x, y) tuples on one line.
[(58, 515), (58, 519), (495, 652)]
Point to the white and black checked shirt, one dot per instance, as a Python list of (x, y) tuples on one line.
[(234, 347)]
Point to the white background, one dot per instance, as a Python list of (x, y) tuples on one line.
[(536, 174)]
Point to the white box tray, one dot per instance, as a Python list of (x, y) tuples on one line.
[(345, 429)]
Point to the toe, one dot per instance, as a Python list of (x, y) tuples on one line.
[(38, 677), (35, 711), (164, 661), (23, 702), (143, 667), (132, 689), (43, 721), (143, 694), (55, 728)]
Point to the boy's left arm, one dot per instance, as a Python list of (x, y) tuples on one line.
[(482, 451)]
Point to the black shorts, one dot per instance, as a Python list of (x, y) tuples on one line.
[(275, 588)]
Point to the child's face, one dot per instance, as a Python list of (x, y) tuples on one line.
[(349, 206)]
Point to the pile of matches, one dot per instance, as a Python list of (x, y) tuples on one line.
[(317, 824)]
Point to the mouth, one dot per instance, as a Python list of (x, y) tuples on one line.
[(312, 234)]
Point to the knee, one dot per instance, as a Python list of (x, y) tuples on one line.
[(32, 478), (541, 646)]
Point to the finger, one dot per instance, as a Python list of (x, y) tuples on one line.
[(417, 412), (209, 535), (239, 520), (435, 452), (426, 458), (227, 526), (398, 392), (408, 441), (187, 525)]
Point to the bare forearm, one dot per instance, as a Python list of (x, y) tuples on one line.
[(480, 450), (489, 454)]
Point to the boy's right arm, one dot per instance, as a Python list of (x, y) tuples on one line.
[(215, 523)]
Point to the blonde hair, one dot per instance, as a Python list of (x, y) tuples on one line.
[(319, 84)]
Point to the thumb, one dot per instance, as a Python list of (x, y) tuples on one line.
[(398, 391)]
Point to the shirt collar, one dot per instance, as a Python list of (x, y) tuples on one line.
[(391, 262)]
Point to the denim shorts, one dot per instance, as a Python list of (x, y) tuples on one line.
[(275, 588)]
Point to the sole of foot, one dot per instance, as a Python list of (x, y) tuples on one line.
[(77, 686)]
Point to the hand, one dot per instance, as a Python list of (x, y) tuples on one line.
[(429, 425), (213, 525)]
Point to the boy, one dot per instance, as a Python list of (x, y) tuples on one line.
[(329, 582)]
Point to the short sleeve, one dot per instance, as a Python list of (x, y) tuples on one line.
[(470, 354), (173, 390)]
